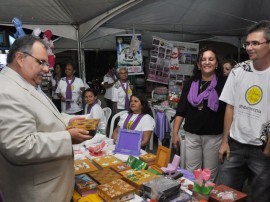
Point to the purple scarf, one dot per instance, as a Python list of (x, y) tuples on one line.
[(126, 97), (134, 124), (69, 92), (209, 94), (89, 107)]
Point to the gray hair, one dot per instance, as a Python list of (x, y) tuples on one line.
[(263, 25)]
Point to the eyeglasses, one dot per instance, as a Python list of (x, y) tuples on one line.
[(254, 43), (40, 62)]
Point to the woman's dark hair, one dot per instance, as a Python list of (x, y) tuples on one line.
[(230, 61), (95, 93), (197, 74), (144, 102), (71, 64), (60, 69)]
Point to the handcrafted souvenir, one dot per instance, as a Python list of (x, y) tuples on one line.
[(149, 158), (164, 187), (86, 124), (97, 149), (137, 177), (18, 25), (162, 159), (107, 161), (104, 176), (83, 166), (128, 142), (116, 191), (172, 167), (186, 185), (223, 193), (120, 167), (84, 185), (136, 164)]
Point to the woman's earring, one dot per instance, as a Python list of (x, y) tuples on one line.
[(199, 68)]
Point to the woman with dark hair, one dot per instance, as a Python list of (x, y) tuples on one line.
[(227, 66), (92, 108), (203, 113), (69, 90), (57, 74), (138, 118)]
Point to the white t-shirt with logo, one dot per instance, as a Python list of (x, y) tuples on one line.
[(147, 123), (248, 90), (119, 95)]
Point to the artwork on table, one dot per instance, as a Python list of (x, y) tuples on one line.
[(105, 175), (128, 142), (149, 158), (107, 161), (84, 185), (121, 167), (83, 166)]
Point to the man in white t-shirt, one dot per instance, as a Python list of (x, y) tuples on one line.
[(108, 81), (247, 94)]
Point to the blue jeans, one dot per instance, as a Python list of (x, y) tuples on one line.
[(247, 162)]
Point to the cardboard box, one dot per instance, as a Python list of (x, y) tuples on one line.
[(223, 193)]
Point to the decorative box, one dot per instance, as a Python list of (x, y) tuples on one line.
[(104, 176), (116, 191), (136, 164), (86, 124), (186, 185), (107, 161), (149, 158), (165, 186), (128, 142), (223, 193), (137, 177), (89, 198), (83, 166), (162, 159), (84, 185), (120, 167)]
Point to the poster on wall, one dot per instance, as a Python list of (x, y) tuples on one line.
[(129, 53), (183, 58), (160, 59)]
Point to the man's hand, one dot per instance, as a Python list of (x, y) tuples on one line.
[(79, 135), (224, 149)]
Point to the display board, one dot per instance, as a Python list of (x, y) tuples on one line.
[(129, 53), (183, 58), (160, 59)]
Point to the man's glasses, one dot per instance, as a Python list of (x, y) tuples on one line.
[(253, 43), (40, 62)]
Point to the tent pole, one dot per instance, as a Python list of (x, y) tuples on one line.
[(239, 49), (81, 59)]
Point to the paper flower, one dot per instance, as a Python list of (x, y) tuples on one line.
[(202, 184)]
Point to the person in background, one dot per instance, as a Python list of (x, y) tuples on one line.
[(36, 157), (203, 114), (247, 93), (121, 91), (57, 74), (227, 66), (108, 81), (92, 108), (139, 117), (69, 90)]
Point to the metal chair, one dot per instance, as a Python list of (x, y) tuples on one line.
[(113, 120)]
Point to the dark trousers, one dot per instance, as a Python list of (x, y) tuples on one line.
[(247, 162)]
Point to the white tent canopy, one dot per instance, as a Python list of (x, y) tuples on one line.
[(93, 24)]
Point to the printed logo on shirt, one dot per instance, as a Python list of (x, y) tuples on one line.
[(72, 88), (254, 95)]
